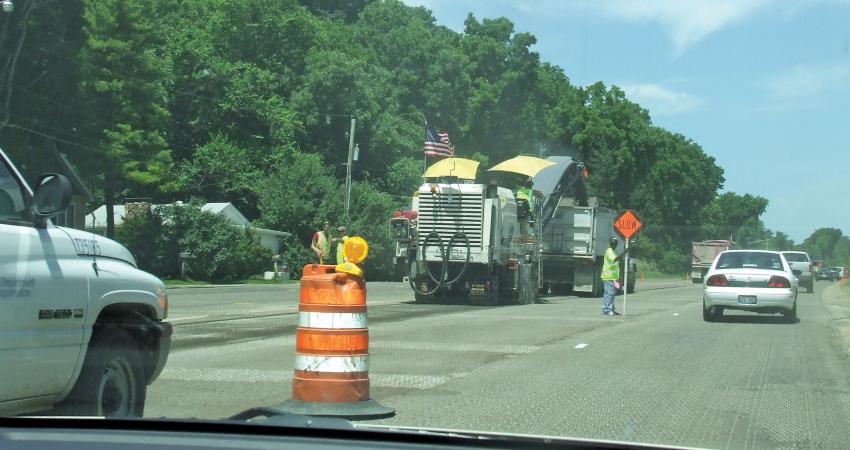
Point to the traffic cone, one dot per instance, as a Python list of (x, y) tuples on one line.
[(331, 376), (642, 277)]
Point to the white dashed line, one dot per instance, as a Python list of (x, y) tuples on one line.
[(581, 346), (392, 380), (177, 319)]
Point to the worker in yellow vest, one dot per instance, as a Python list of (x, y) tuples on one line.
[(610, 276), (525, 195), (340, 240)]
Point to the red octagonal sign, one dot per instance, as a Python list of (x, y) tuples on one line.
[(627, 224)]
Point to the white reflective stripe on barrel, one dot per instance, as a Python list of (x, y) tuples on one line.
[(331, 320), (316, 363)]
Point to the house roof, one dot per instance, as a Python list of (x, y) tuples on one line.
[(76, 182), (97, 218)]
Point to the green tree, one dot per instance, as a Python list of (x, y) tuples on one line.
[(780, 241), (403, 177), (131, 154), (822, 243), (299, 195)]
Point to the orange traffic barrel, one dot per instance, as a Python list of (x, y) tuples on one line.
[(331, 374)]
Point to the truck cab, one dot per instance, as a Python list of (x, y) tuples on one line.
[(83, 329)]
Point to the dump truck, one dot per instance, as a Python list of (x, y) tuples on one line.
[(703, 255), (576, 231)]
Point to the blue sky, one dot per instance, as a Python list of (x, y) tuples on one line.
[(762, 85)]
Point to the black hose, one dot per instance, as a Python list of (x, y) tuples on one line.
[(465, 263), (444, 265)]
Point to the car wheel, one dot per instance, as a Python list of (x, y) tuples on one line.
[(111, 382), (707, 314), (718, 313), (791, 316), (810, 287)]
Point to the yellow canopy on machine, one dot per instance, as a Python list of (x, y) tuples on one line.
[(523, 165), (453, 167)]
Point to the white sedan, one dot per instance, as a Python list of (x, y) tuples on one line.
[(750, 280)]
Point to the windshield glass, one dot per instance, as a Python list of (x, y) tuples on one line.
[(796, 257), (243, 217), (749, 260)]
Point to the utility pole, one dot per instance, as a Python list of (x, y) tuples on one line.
[(348, 168)]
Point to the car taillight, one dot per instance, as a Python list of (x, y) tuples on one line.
[(717, 280), (810, 268), (513, 264), (778, 282)]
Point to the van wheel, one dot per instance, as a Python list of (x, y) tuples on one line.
[(111, 383)]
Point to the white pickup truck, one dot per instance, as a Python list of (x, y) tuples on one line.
[(82, 330)]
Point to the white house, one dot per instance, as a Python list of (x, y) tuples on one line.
[(96, 222)]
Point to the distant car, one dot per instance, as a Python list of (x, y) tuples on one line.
[(825, 273), (750, 280), (836, 273), (802, 262)]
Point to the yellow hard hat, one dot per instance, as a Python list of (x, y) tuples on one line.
[(355, 250)]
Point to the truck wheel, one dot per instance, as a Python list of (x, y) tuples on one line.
[(111, 382), (810, 287)]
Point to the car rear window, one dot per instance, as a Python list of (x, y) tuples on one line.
[(796, 257), (749, 260)]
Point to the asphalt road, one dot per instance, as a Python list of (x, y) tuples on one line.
[(659, 374)]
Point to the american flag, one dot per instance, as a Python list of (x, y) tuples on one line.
[(437, 142)]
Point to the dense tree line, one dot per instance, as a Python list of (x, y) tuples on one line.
[(249, 101)]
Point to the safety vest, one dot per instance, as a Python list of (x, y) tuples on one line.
[(610, 266), (524, 193), (322, 243), (340, 259)]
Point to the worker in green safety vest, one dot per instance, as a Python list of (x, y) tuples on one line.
[(526, 193), (610, 275)]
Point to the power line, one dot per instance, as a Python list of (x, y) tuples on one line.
[(89, 116)]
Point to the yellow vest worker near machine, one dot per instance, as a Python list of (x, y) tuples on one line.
[(610, 276), (343, 236)]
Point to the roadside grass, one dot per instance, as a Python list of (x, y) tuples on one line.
[(654, 275)]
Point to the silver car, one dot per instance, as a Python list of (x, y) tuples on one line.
[(750, 280)]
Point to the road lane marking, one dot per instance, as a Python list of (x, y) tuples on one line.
[(580, 346), (176, 319), (211, 375), (457, 347)]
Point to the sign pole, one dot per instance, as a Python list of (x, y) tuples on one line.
[(626, 279)]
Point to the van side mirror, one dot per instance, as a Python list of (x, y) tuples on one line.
[(52, 196), (797, 272)]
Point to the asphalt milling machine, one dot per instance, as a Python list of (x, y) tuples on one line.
[(479, 242)]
